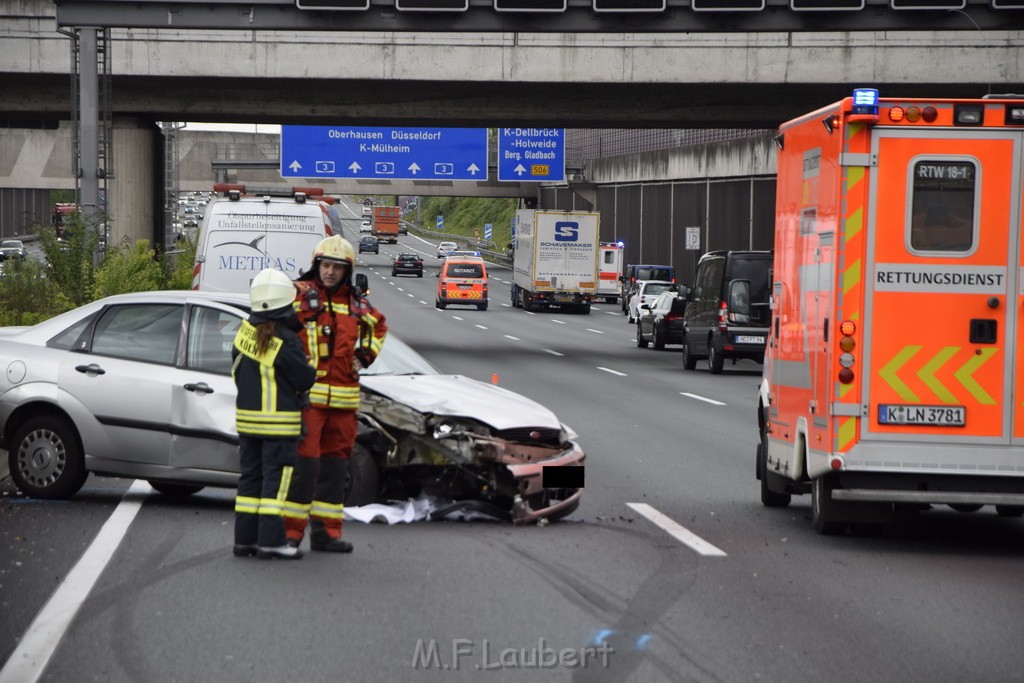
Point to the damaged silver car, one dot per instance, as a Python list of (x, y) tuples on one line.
[(139, 385)]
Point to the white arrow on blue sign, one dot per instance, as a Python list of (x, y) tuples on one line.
[(384, 153), (531, 154), (440, 223), (488, 231)]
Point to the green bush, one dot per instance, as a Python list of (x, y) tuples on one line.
[(28, 295), (129, 268)]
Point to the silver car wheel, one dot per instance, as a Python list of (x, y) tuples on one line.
[(42, 457)]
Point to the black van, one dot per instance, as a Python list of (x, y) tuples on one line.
[(727, 311)]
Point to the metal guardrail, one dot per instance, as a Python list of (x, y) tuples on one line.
[(489, 254)]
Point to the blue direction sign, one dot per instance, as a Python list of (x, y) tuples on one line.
[(384, 153), (531, 154)]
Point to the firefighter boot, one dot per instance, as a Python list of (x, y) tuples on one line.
[(320, 540)]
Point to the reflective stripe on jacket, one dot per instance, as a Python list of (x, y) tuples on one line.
[(270, 385), (331, 333)]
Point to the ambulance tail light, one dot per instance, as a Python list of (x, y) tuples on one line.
[(847, 345), (723, 316)]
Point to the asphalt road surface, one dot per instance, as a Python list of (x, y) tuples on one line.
[(719, 589)]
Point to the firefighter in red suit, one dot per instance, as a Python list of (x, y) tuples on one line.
[(341, 333)]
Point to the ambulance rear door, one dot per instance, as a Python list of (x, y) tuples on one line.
[(943, 298)]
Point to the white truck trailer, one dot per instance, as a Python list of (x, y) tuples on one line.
[(555, 260)]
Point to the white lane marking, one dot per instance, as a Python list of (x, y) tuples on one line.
[(481, 327), (456, 317), (507, 305), (40, 641), (677, 531), (399, 289), (553, 353), (612, 313), (595, 331), (560, 322), (701, 398), (423, 302), (410, 294), (529, 312), (509, 336), (614, 372)]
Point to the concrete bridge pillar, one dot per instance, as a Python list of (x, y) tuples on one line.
[(135, 190)]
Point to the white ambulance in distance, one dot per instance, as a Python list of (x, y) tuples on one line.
[(247, 230)]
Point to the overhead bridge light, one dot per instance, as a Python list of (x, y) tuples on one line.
[(630, 5), (530, 5), (334, 5), (727, 5)]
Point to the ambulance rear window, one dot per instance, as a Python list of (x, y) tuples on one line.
[(942, 205), (468, 270)]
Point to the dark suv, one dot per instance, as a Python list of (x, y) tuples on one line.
[(727, 311)]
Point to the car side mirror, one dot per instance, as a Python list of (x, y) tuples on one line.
[(362, 285)]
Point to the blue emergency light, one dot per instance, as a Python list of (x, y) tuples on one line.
[(620, 244), (865, 101)]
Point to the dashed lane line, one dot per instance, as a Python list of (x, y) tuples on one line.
[(677, 531), (590, 329), (702, 398), (481, 327), (509, 336), (560, 322), (614, 372), (553, 353)]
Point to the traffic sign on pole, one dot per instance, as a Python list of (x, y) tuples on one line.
[(488, 231), (531, 154), (440, 223), (384, 153)]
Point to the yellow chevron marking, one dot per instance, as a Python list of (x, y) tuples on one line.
[(854, 175), (927, 373), (847, 432), (851, 276), (854, 222), (963, 375), (889, 370)]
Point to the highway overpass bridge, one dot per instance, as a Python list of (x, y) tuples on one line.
[(704, 77)]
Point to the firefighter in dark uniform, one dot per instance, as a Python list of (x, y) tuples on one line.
[(272, 374), (342, 333)]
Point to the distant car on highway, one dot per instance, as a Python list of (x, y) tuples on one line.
[(661, 322), (645, 293), (444, 247), (407, 264), (369, 243), (366, 226), (13, 249)]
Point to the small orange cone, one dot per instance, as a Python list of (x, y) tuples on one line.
[(494, 378)]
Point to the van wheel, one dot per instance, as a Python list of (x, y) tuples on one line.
[(823, 509), (640, 341), (481, 307), (769, 498), (438, 304), (715, 359), (45, 459), (689, 362)]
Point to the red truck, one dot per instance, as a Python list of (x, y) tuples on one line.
[(385, 223)]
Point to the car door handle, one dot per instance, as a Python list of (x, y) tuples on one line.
[(201, 387), (91, 367)]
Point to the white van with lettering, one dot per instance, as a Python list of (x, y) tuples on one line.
[(244, 232)]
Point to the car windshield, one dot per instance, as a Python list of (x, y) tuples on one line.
[(397, 358), (407, 257), (467, 270), (10, 244)]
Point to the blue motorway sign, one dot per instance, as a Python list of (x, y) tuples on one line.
[(531, 154), (384, 153)]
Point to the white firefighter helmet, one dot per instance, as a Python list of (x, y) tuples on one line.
[(271, 289)]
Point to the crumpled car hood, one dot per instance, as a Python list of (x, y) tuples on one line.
[(457, 395)]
